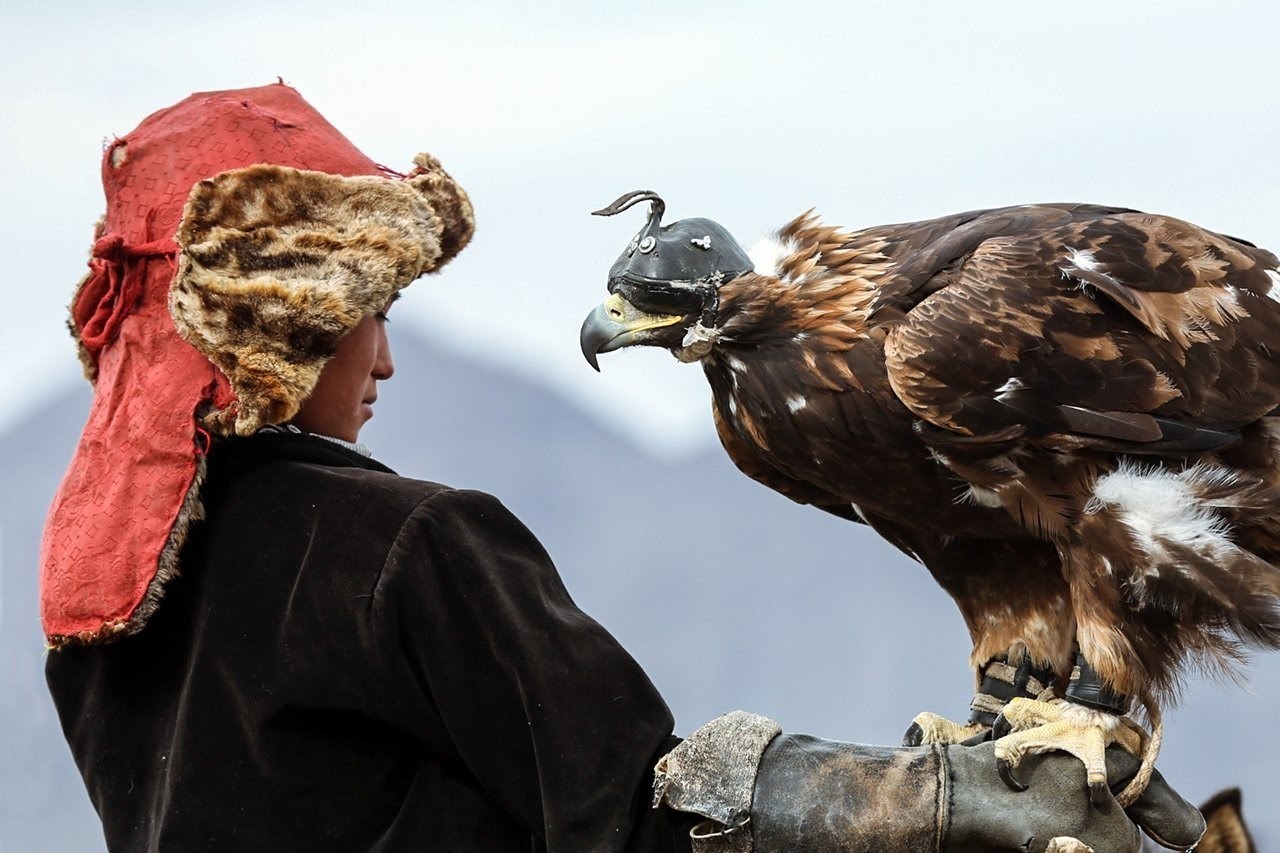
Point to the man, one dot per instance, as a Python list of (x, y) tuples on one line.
[(265, 639)]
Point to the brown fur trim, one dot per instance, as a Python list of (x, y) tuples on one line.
[(450, 203), (167, 567), (278, 264), (87, 362)]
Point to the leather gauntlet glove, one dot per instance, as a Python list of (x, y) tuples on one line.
[(813, 794)]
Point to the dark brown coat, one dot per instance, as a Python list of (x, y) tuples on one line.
[(352, 660)]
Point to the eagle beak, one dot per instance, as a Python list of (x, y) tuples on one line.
[(615, 324)]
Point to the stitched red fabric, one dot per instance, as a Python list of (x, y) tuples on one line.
[(117, 518)]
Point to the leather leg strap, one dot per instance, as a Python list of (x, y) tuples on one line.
[(1002, 682), (1087, 688)]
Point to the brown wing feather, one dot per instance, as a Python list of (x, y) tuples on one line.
[(1023, 334), (928, 252)]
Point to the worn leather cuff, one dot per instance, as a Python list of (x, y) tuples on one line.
[(713, 773)]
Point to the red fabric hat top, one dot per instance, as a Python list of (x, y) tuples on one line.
[(148, 175), (208, 133), (121, 514)]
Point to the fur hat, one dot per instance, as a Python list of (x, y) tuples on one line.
[(244, 237), (278, 264)]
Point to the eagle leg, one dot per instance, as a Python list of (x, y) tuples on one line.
[(999, 682)]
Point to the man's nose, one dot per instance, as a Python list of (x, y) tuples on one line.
[(383, 366)]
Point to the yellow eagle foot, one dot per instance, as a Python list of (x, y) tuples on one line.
[(1030, 727), (930, 728)]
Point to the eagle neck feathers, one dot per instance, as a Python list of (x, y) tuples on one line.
[(812, 280)]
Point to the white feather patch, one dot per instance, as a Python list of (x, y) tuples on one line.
[(796, 403), (767, 255), (1013, 384), (983, 497), (1157, 504), (1086, 262)]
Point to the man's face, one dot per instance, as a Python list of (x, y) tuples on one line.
[(343, 398)]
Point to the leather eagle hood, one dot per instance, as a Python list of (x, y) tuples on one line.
[(674, 268)]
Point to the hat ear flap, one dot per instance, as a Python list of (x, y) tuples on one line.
[(278, 264), (450, 203)]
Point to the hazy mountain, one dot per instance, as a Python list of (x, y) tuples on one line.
[(730, 596)]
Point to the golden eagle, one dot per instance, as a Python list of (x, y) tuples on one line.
[(1066, 412)]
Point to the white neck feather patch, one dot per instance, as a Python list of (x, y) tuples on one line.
[(767, 254)]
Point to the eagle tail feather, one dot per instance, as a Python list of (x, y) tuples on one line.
[(1170, 564)]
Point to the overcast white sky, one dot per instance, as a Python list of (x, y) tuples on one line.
[(746, 112)]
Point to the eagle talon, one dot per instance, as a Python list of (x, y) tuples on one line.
[(914, 735), (1005, 769), (1000, 727), (1098, 792)]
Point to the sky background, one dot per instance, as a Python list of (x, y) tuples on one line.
[(745, 112)]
